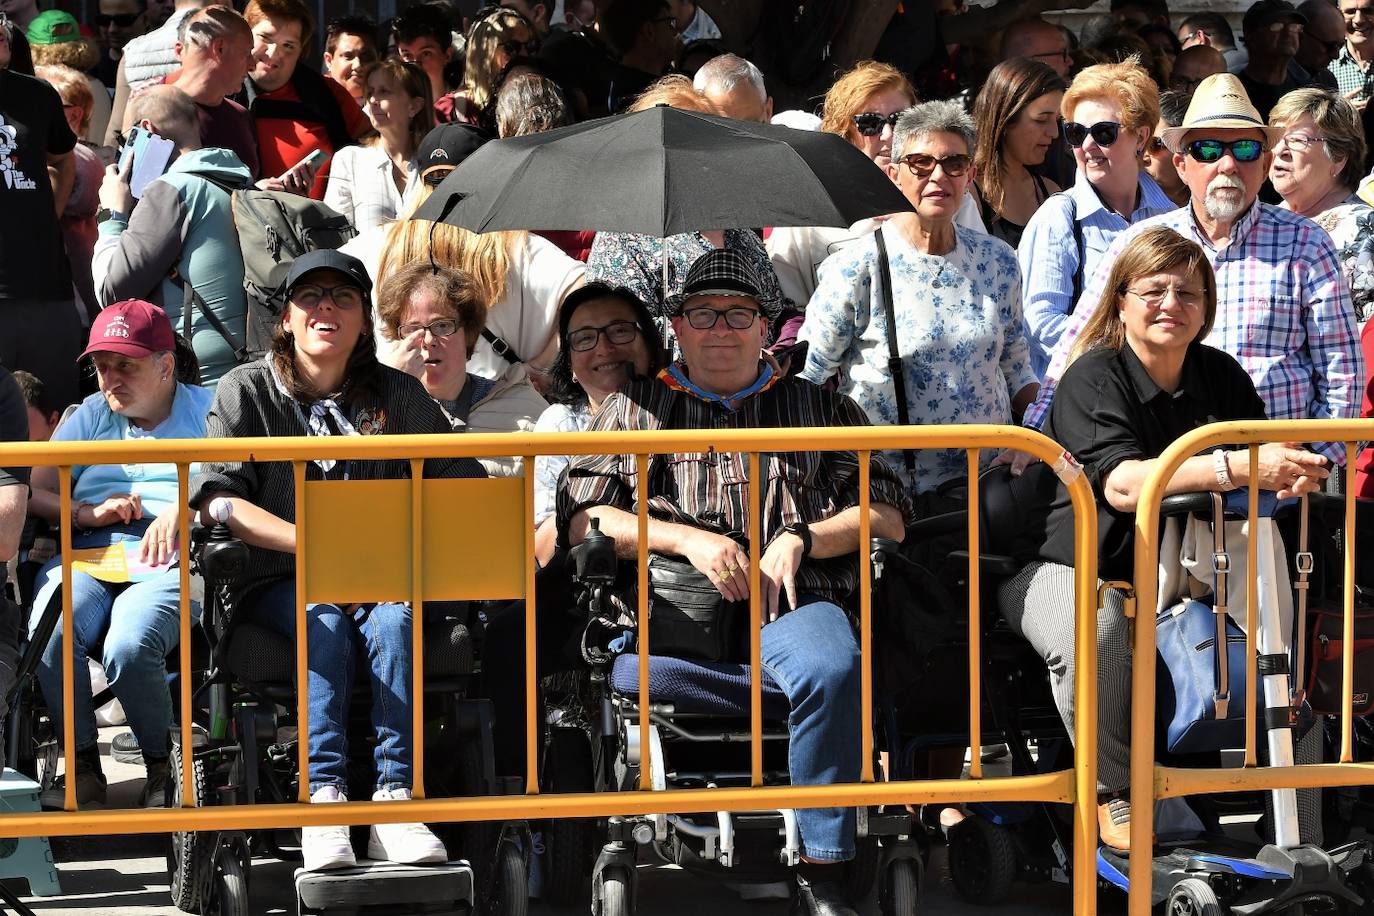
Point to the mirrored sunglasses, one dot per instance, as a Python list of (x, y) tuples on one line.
[(1213, 150)]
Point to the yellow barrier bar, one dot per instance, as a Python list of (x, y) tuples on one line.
[(302, 659), (531, 653), (755, 622), (64, 489), (975, 627), (185, 676), (1348, 621), (1085, 688), (865, 618), (646, 761), (417, 629), (1174, 782), (1052, 788), (1251, 610)]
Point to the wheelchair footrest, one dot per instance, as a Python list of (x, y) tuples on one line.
[(400, 888)]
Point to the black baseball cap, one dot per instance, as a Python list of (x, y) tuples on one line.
[(328, 259), (448, 145)]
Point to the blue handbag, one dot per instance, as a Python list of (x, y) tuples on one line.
[(1201, 688)]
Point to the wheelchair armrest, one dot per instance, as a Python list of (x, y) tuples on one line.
[(934, 526), (989, 564), (1186, 504)]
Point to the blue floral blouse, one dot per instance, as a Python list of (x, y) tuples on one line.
[(960, 334)]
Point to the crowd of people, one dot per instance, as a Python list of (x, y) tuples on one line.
[(1114, 235)]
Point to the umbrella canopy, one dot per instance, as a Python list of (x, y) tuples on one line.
[(662, 172)]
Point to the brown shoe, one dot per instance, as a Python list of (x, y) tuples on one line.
[(1114, 823)]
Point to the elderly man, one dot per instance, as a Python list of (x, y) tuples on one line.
[(1351, 66), (735, 87), (1038, 40), (215, 47), (1195, 64), (1283, 309), (809, 529)]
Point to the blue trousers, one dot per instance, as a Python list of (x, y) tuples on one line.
[(336, 642), (812, 655)]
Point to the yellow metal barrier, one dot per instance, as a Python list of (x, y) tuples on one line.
[(426, 534), (1150, 781)]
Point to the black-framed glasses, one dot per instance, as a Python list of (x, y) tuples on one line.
[(344, 296), (1104, 133), (870, 123), (123, 20), (704, 319), (1213, 150), (923, 166), (1065, 55), (443, 327), (617, 332)]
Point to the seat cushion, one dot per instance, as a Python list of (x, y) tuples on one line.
[(264, 656), (711, 688)]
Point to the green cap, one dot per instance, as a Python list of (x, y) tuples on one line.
[(53, 28)]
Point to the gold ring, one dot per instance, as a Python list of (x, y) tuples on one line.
[(732, 569), (721, 575)]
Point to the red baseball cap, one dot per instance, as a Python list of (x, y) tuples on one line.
[(132, 328)]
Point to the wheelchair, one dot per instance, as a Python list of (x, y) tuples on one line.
[(246, 700), (700, 738)]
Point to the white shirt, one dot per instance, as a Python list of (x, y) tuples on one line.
[(361, 187)]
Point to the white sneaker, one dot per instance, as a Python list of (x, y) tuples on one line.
[(324, 848), (404, 844)]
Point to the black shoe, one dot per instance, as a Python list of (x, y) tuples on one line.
[(156, 792), (820, 898)]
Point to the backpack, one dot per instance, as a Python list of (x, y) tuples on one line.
[(274, 228)]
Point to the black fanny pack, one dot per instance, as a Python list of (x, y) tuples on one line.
[(689, 617)]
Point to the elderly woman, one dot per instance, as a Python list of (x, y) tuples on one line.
[(954, 296), (862, 106), (134, 623), (322, 378), (1140, 379), (434, 317), (1316, 169), (1017, 115), (1110, 113)]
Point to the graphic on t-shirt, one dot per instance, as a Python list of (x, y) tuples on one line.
[(15, 179)]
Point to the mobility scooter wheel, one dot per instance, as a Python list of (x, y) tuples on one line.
[(1193, 897), (901, 888), (982, 860)]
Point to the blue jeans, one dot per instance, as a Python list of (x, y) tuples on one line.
[(134, 624), (335, 640), (812, 655)]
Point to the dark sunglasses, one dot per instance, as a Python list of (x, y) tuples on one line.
[(923, 166), (1104, 133), (870, 123), (515, 48), (1213, 150), (1157, 145), (123, 20)]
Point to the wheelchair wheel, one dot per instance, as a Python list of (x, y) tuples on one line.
[(982, 860), (229, 890), (1193, 897), (190, 851), (613, 897), (571, 843), (511, 895), (900, 893)]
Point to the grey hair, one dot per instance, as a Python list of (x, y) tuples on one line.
[(939, 117), (205, 25), (726, 71), (528, 104), (164, 106)]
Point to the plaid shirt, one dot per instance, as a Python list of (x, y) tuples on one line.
[(1349, 75), (710, 490), (1283, 311)]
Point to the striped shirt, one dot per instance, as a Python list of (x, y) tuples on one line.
[(1283, 312), (1350, 75), (710, 490), (249, 403)]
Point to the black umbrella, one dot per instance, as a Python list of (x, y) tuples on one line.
[(662, 172)]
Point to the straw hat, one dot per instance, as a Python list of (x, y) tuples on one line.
[(1220, 102)]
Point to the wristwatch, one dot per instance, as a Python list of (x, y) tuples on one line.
[(803, 531)]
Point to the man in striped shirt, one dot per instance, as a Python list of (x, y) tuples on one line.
[(699, 510), (1283, 308)]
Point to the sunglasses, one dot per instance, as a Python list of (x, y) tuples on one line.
[(870, 123), (1104, 133), (923, 166), (1157, 145), (1213, 150), (515, 48), (123, 20), (617, 332)]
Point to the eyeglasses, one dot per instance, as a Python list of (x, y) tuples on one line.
[(704, 319), (1155, 295), (344, 296), (870, 123), (923, 166), (520, 48), (1104, 133), (123, 20), (444, 327), (617, 332), (1298, 143), (1213, 150), (1064, 55), (1293, 28)]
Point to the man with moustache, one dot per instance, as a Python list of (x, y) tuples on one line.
[(1283, 309)]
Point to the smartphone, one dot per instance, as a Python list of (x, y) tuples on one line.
[(135, 138), (151, 155), (315, 160)]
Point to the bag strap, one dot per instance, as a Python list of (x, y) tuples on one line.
[(503, 349), (191, 302), (1078, 250), (1221, 571), (1304, 563), (894, 359)]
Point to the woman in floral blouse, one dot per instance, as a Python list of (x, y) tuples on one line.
[(956, 299)]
